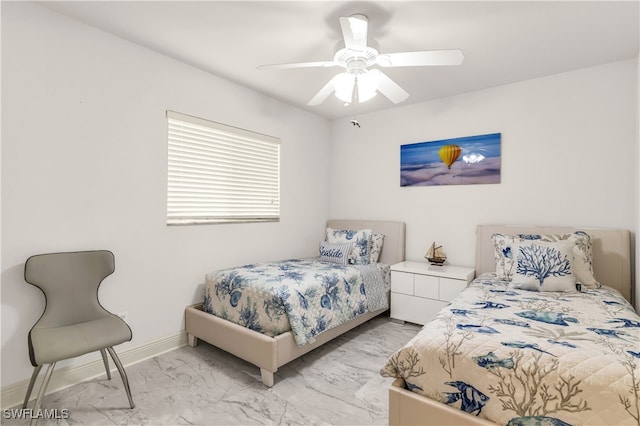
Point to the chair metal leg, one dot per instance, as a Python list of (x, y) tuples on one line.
[(106, 362), (43, 387), (32, 382), (123, 374)]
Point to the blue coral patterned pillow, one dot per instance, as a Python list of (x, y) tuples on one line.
[(360, 240), (543, 266), (582, 254), (335, 253)]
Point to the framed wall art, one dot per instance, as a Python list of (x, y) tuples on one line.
[(467, 160)]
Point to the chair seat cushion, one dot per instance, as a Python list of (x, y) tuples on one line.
[(47, 345)]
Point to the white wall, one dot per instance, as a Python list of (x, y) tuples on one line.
[(84, 141), (569, 157)]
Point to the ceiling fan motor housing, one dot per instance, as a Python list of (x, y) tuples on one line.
[(353, 60)]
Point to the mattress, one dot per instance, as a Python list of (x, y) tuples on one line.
[(306, 296), (518, 357)]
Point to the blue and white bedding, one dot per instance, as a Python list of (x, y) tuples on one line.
[(518, 357), (306, 296)]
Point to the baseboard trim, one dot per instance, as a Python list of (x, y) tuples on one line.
[(13, 395)]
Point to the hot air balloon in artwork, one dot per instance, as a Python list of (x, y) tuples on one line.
[(449, 154)]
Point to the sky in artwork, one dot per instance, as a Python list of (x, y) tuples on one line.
[(427, 152)]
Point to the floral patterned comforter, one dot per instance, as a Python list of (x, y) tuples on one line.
[(518, 357), (306, 296)]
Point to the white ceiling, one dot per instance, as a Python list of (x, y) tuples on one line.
[(503, 41)]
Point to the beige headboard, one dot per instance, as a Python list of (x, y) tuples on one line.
[(394, 234), (611, 251)]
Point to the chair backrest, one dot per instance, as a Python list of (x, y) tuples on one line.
[(70, 284)]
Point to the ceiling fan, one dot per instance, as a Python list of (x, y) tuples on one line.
[(359, 83)]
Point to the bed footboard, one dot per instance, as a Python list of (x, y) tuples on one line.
[(242, 342), (267, 353)]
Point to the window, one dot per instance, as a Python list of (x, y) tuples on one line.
[(220, 174)]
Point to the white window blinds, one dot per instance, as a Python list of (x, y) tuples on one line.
[(220, 174)]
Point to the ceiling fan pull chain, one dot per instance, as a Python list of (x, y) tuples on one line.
[(354, 101)]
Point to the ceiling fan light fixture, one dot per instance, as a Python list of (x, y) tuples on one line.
[(367, 86), (365, 93), (344, 86)]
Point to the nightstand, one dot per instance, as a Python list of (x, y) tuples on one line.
[(419, 290)]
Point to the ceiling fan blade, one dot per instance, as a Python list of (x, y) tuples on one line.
[(354, 32), (390, 88), (299, 65), (324, 92), (423, 58)]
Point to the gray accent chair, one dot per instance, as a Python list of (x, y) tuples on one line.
[(74, 322)]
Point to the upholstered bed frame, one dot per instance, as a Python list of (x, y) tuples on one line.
[(269, 353), (611, 264)]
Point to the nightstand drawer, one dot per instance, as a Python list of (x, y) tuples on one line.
[(425, 286), (402, 282), (414, 309), (450, 288)]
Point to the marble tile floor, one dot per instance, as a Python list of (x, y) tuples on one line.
[(336, 384)]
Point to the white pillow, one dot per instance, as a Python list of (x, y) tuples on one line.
[(503, 255), (336, 253), (582, 254), (376, 247), (360, 239), (543, 266)]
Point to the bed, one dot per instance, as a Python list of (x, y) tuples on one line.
[(269, 352), (504, 355)]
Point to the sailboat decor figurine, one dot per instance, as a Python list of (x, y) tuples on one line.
[(435, 255)]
